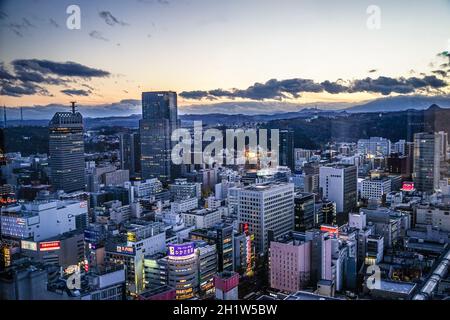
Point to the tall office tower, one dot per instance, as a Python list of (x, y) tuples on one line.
[(128, 154), (66, 148), (286, 149), (375, 146), (267, 207), (304, 211), (159, 119), (339, 184), (427, 154), (443, 154)]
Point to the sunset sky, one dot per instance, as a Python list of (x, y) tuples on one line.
[(298, 51)]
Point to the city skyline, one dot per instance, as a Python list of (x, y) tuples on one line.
[(235, 56)]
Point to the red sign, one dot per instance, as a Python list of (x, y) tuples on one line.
[(49, 246), (332, 230), (408, 186)]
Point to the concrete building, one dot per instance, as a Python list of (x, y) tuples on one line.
[(226, 284), (202, 218), (338, 183), (290, 262), (267, 208), (41, 220), (375, 188), (182, 189)]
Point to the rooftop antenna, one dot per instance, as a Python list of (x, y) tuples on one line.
[(73, 106)]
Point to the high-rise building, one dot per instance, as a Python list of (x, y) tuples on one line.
[(66, 148), (286, 149), (267, 207), (304, 211), (427, 154), (159, 119), (290, 262), (128, 152), (339, 184)]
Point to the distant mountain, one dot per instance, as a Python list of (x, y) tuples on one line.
[(401, 103)]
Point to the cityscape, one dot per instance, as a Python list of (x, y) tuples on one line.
[(183, 194)]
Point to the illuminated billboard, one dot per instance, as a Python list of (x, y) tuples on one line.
[(49, 245), (332, 230), (408, 186), (28, 245), (125, 249), (181, 250)]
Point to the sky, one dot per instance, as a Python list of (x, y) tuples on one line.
[(273, 52)]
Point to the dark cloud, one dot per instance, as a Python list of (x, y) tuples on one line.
[(30, 74), (69, 68), (279, 89), (21, 89), (3, 15), (97, 35), (373, 70), (74, 92), (110, 19)]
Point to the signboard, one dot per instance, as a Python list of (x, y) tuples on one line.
[(49, 246), (125, 249), (332, 230), (131, 236), (181, 250), (29, 245), (408, 186)]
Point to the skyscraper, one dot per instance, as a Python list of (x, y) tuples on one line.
[(427, 158), (267, 208), (128, 152), (66, 148), (339, 184), (159, 119), (286, 149)]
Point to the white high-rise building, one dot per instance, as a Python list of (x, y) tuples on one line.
[(267, 207), (339, 184)]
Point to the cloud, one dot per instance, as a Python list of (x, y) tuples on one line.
[(110, 19), (372, 70), (3, 15), (69, 68), (22, 89), (30, 74), (74, 92), (97, 35), (53, 23), (284, 89), (18, 28)]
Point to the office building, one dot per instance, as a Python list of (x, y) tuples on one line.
[(338, 183), (159, 120), (267, 208), (66, 149), (427, 151), (304, 211), (290, 262)]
